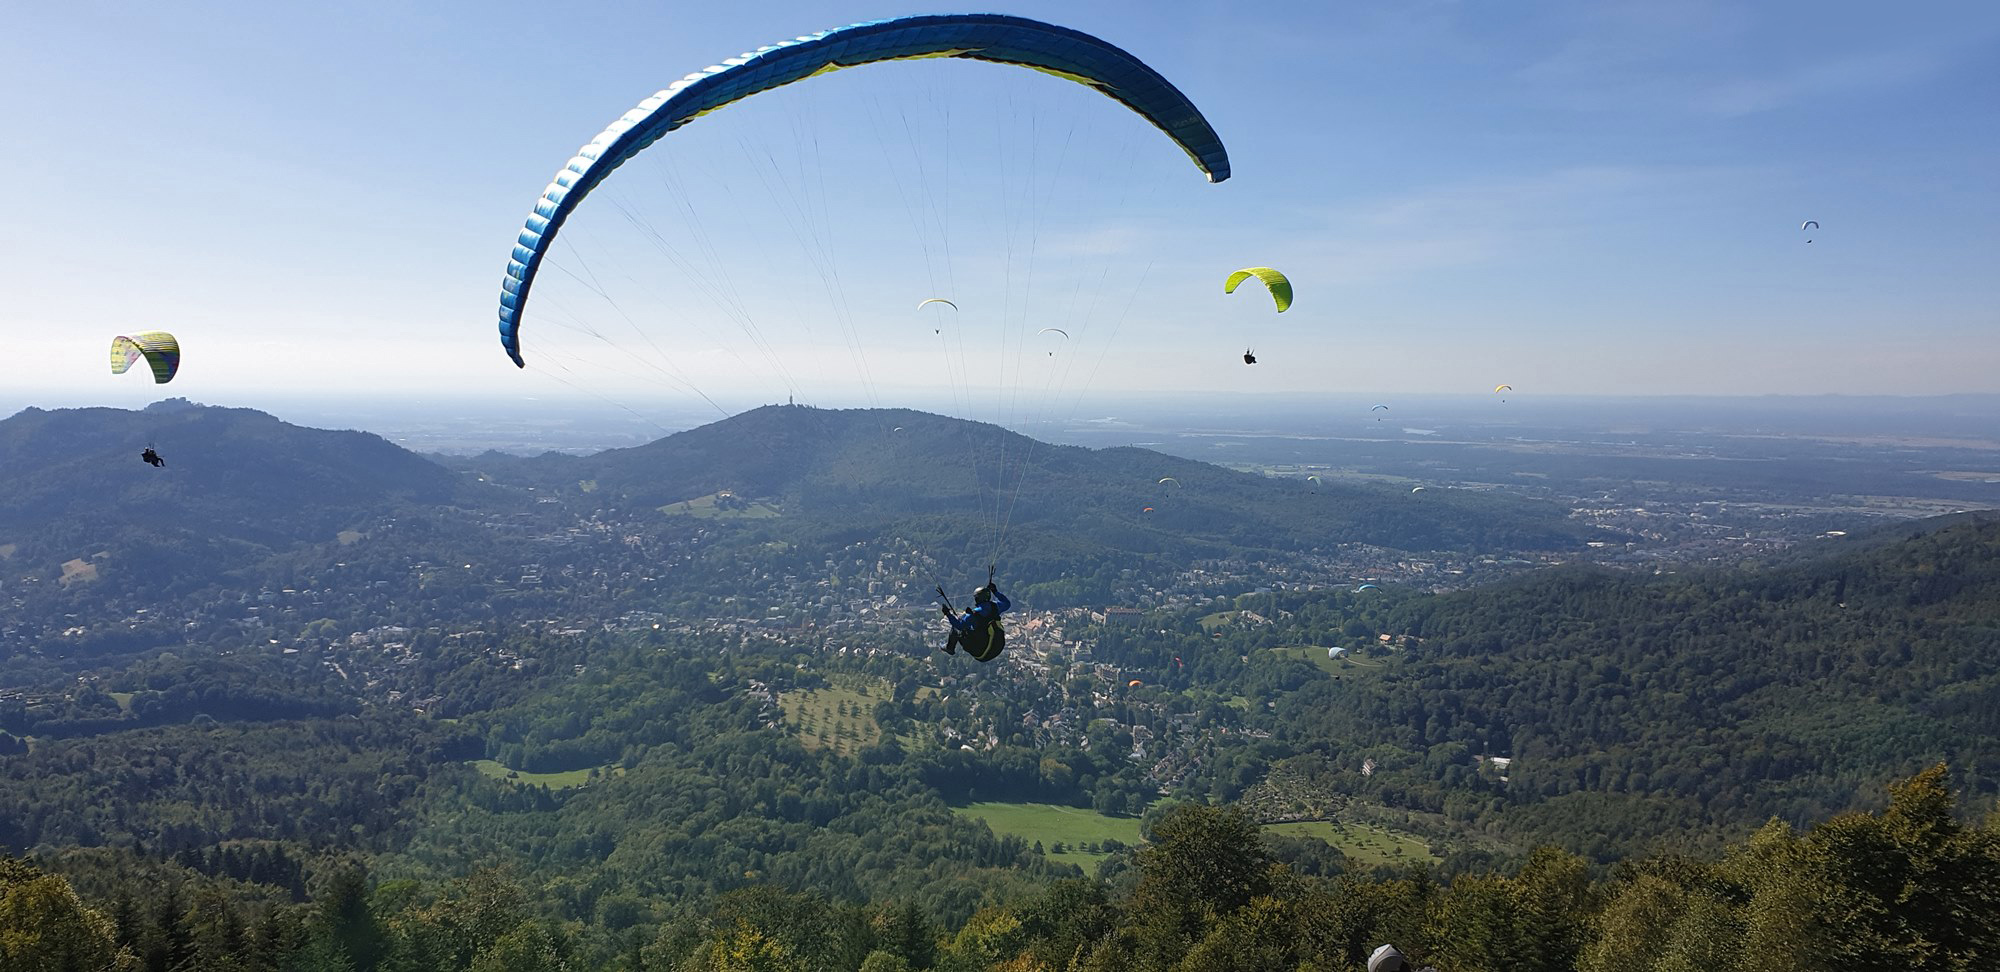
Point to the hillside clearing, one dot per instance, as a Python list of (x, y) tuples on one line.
[(1073, 828)]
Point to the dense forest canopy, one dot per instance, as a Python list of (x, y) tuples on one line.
[(1907, 887)]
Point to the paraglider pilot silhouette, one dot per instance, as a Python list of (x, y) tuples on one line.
[(152, 458), (977, 630)]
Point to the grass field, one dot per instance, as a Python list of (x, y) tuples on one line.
[(1346, 664), (841, 716), (704, 507), (1210, 622), (78, 571), (124, 700), (1365, 845), (557, 781), (1074, 827)]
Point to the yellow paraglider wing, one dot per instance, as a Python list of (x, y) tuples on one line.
[(161, 351), (1281, 288)]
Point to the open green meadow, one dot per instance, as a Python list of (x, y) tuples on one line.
[(1365, 845), (1210, 622), (840, 716), (1081, 833), (1346, 664), (713, 507), (554, 781)]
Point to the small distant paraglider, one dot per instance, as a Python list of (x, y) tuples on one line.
[(1248, 357), (1135, 683), (1315, 480), (1054, 330), (161, 351), (1147, 510), (1169, 479), (1498, 389), (1366, 587), (1808, 225), (1378, 408), (926, 302), (1416, 489)]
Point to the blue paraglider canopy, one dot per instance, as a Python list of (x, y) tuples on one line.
[(1060, 51)]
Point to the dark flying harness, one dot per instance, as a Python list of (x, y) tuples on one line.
[(988, 636)]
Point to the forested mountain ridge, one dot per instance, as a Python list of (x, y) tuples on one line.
[(249, 508), (86, 528), (241, 474), (233, 467), (1687, 701), (901, 463)]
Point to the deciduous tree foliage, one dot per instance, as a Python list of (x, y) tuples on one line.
[(44, 925)]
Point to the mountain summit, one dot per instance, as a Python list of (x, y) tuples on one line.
[(898, 462)]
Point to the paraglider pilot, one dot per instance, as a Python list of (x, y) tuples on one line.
[(1249, 358), (977, 630), (152, 458)]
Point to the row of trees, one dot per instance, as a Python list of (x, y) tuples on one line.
[(1909, 887)]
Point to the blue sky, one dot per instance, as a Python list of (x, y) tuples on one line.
[(1574, 198)]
